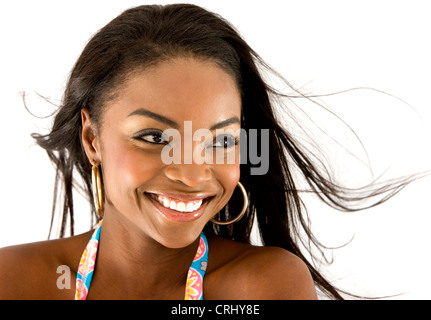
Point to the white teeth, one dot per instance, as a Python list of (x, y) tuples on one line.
[(181, 206), (197, 205), (173, 205), (190, 206)]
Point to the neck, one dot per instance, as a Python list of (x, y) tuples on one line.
[(142, 267)]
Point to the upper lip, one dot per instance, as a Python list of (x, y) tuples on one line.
[(182, 196)]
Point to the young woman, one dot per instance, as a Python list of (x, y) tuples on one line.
[(175, 229)]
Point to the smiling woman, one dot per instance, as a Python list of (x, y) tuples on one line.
[(162, 83), (172, 92)]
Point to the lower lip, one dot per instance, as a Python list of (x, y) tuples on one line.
[(177, 216)]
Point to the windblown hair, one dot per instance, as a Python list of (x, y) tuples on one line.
[(147, 35)]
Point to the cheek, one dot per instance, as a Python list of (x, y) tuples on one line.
[(232, 176), (231, 172), (227, 171), (126, 167), (228, 176)]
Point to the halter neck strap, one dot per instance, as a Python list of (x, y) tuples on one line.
[(195, 274)]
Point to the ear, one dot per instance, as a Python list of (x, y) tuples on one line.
[(90, 140)]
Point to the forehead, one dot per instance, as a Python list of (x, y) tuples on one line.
[(183, 89)]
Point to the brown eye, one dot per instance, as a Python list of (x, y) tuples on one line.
[(225, 141), (152, 136)]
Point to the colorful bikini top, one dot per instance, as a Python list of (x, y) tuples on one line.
[(195, 275)]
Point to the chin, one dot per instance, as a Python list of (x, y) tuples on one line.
[(179, 238)]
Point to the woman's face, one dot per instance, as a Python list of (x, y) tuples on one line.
[(170, 199)]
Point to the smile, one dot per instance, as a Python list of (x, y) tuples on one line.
[(178, 205)]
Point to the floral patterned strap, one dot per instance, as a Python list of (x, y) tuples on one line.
[(86, 265), (195, 275)]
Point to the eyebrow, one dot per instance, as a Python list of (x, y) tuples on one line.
[(225, 123), (160, 118), (155, 116)]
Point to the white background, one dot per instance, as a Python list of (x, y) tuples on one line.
[(320, 46)]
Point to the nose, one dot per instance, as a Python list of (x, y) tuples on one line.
[(191, 175)]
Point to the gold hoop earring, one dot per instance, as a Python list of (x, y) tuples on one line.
[(97, 189), (243, 210)]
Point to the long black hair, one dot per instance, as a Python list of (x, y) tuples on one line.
[(146, 35)]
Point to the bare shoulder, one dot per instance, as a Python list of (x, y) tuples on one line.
[(243, 271), (30, 271), (283, 275)]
